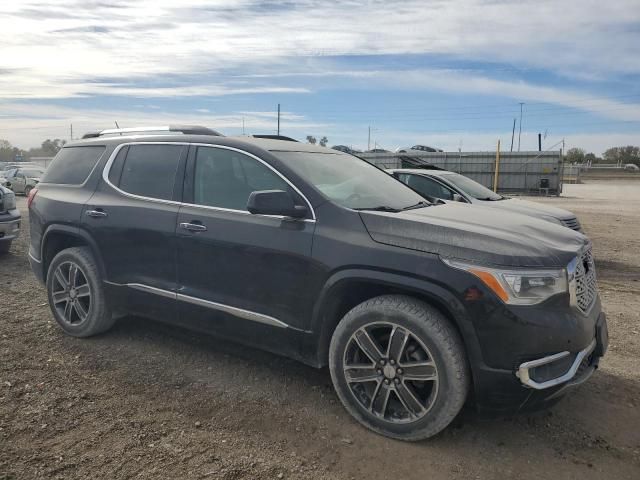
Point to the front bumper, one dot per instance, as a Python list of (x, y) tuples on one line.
[(9, 228), (537, 355)]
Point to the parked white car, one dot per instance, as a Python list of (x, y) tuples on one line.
[(451, 186)]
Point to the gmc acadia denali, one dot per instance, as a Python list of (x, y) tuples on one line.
[(315, 254)]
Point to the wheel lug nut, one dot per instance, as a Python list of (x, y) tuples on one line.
[(386, 381), (397, 380), (382, 362), (392, 361), (399, 371), (379, 372)]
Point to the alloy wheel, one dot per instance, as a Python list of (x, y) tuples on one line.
[(390, 372), (71, 293)]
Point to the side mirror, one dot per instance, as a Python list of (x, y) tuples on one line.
[(458, 198), (274, 202)]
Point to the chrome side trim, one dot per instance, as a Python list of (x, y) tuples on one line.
[(238, 312), (523, 371), (235, 311), (149, 289), (34, 258), (107, 167)]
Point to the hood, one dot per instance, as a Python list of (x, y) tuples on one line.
[(529, 208), (477, 234)]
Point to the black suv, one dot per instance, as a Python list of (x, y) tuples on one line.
[(318, 255)]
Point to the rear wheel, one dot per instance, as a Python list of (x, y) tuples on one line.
[(27, 190), (399, 367), (76, 294)]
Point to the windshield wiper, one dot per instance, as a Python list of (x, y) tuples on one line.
[(417, 205), (380, 208)]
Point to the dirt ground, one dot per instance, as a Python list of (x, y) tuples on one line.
[(149, 401)]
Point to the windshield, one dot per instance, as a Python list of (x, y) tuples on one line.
[(471, 187), (350, 181)]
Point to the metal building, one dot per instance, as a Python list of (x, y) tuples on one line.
[(518, 172)]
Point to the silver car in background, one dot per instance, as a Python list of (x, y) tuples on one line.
[(22, 179), (451, 186)]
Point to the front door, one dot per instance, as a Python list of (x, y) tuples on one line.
[(238, 273)]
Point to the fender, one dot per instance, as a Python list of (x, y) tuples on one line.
[(441, 297), (72, 231)]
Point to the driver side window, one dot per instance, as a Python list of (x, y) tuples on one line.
[(427, 186), (225, 178)]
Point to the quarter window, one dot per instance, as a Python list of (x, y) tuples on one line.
[(72, 165), (225, 178), (150, 170)]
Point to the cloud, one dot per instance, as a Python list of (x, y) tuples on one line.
[(31, 123), (152, 38)]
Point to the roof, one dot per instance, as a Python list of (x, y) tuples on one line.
[(241, 142)]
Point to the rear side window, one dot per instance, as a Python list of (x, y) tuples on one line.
[(150, 170), (72, 165)]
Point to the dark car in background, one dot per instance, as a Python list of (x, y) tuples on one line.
[(318, 255), (451, 186)]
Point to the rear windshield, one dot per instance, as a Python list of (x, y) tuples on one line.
[(72, 165)]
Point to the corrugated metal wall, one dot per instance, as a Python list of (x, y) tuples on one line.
[(519, 172)]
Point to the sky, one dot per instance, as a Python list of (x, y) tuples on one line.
[(449, 74)]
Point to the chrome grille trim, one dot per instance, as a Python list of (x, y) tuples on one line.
[(585, 284)]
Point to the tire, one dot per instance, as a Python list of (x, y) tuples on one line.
[(27, 190), (81, 311), (4, 247), (431, 379)]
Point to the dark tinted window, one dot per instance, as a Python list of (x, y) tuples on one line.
[(72, 165), (225, 178), (427, 186), (116, 167), (150, 170)]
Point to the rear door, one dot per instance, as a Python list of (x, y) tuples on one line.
[(132, 216), (236, 270)]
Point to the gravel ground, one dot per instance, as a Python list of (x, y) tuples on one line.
[(150, 401)]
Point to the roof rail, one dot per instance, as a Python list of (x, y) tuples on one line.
[(276, 137), (185, 129)]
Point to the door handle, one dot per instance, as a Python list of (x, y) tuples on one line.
[(193, 227), (98, 213)]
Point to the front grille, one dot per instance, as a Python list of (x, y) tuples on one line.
[(586, 285), (572, 223)]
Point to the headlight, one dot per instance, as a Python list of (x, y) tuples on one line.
[(7, 201), (518, 287)]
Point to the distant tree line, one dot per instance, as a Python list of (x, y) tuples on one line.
[(48, 148), (312, 140), (624, 155)]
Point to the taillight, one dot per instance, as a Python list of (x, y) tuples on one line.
[(32, 195)]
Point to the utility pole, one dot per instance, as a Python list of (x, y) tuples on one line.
[(369, 139), (539, 142), (278, 119), (520, 130), (242, 125), (71, 133), (513, 132)]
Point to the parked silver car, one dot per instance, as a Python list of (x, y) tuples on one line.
[(451, 186), (418, 148), (23, 179), (9, 219)]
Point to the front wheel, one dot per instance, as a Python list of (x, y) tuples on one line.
[(399, 367)]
